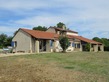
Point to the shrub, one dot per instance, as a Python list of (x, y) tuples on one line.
[(87, 47), (64, 42)]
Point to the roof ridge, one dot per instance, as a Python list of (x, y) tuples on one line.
[(40, 34), (37, 31)]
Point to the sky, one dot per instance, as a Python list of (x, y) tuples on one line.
[(88, 17)]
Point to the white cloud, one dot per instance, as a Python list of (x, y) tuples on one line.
[(6, 29), (42, 20), (20, 4), (80, 15), (91, 34), (28, 4)]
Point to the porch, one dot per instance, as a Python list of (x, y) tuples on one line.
[(79, 45), (42, 45)]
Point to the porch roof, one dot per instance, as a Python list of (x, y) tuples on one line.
[(84, 39), (40, 34)]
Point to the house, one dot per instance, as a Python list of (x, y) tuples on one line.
[(34, 41)]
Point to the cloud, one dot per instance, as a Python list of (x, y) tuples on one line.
[(91, 34), (28, 4), (44, 20), (21, 4), (89, 17), (6, 29)]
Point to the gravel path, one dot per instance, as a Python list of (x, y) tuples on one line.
[(12, 54)]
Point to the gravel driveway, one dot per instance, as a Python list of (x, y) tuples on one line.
[(12, 54)]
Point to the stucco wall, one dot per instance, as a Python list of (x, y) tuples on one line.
[(51, 30), (69, 33), (33, 45), (48, 48), (24, 42), (59, 49), (57, 46)]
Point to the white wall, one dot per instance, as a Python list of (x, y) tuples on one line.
[(24, 41), (57, 46), (59, 49), (69, 33)]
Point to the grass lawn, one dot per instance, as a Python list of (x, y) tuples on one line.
[(56, 67)]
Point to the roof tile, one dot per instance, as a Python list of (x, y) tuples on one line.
[(47, 35), (40, 34), (84, 39)]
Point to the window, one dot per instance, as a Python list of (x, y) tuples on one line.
[(15, 43), (78, 45), (69, 43), (12, 44), (73, 45), (51, 43)]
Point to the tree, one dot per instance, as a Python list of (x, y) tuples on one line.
[(5, 40), (9, 40), (41, 28), (61, 25), (64, 42), (97, 39), (87, 47), (105, 41)]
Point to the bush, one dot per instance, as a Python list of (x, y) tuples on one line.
[(64, 42), (106, 48), (87, 47)]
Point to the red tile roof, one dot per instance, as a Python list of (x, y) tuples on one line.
[(47, 35), (84, 39), (40, 34)]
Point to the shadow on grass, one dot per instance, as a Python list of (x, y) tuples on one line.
[(69, 67)]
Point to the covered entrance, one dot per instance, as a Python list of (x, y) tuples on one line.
[(42, 45)]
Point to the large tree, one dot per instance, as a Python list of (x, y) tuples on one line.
[(41, 28), (64, 42), (5, 40), (97, 39), (61, 25), (9, 40)]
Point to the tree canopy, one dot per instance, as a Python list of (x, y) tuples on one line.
[(61, 25), (5, 40), (41, 28), (98, 39)]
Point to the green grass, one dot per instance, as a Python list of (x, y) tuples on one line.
[(56, 67)]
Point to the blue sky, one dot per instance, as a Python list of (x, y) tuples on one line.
[(89, 17)]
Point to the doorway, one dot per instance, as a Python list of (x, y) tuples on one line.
[(42, 45)]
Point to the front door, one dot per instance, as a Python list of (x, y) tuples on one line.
[(44, 45)]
